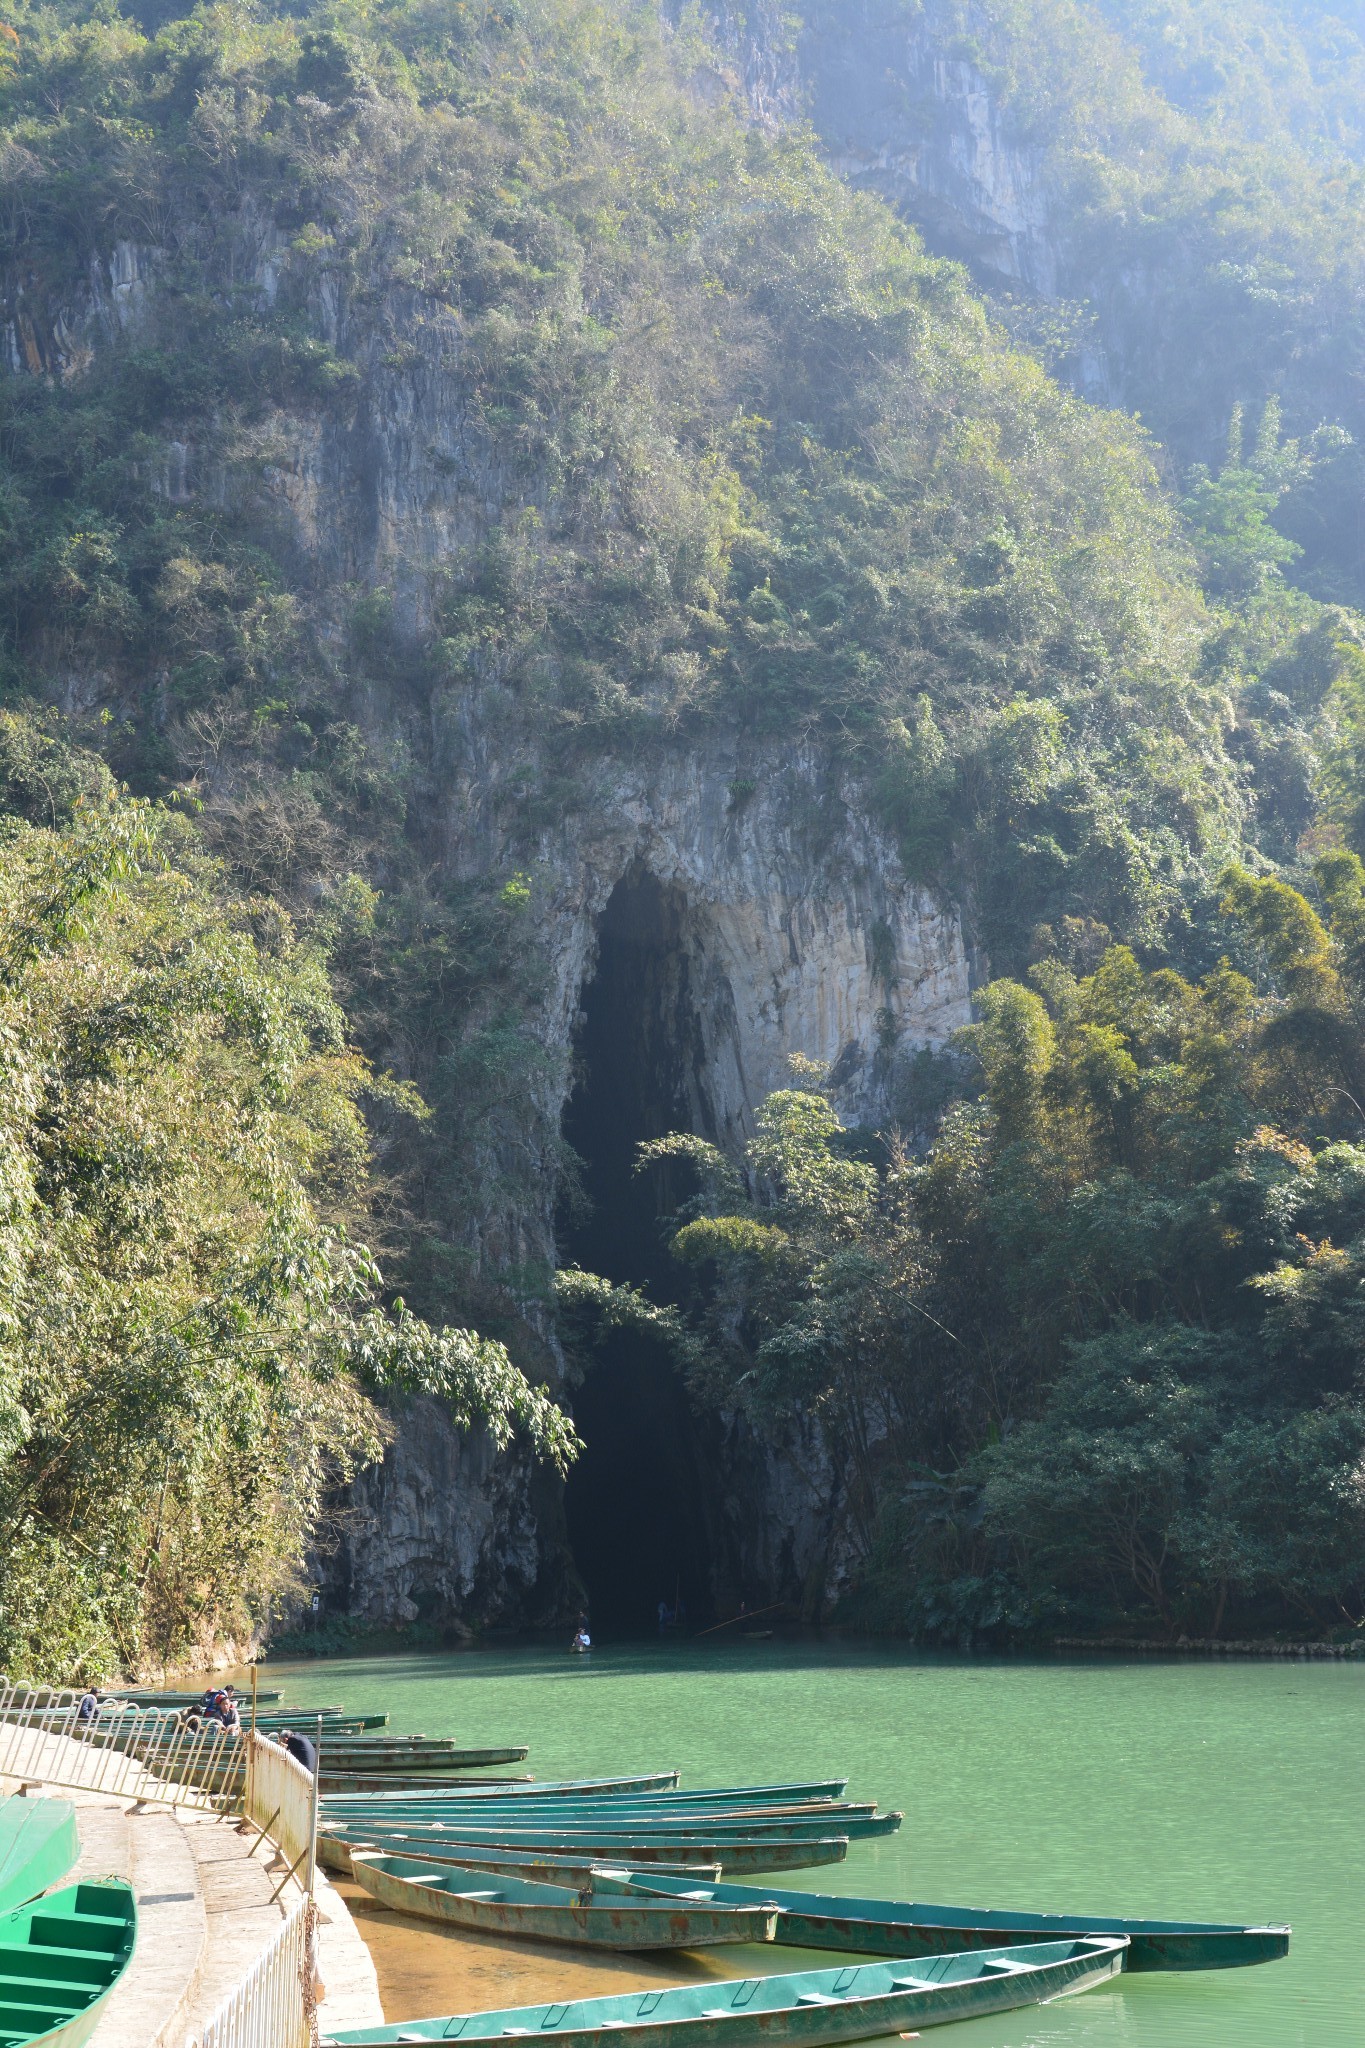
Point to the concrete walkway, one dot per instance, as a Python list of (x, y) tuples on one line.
[(205, 1915)]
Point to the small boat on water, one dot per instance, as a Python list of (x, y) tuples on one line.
[(38, 1846), (487, 1809), (884, 1927), (494, 1902), (362, 1780), (371, 1824), (581, 1832), (739, 1857), (813, 2009), (336, 1847), (666, 1782), (60, 1957)]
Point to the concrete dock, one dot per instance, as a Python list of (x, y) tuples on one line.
[(205, 1915)]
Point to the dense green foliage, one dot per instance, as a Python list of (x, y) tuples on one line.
[(758, 461), (1200, 169), (190, 1337), (1097, 1355)]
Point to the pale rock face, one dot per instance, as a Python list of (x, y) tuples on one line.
[(59, 342), (905, 119), (785, 882), (444, 1528), (925, 132)]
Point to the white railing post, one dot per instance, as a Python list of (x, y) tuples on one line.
[(158, 1758), (142, 1752), (273, 2005), (282, 1799)]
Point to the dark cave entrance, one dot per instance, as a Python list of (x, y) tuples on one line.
[(637, 1501)]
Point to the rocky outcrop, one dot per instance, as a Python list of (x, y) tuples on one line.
[(788, 928), (798, 928), (443, 1531), (902, 112), (58, 339)]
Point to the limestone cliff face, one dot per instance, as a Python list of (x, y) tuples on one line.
[(902, 112), (796, 927), (786, 921), (790, 928)]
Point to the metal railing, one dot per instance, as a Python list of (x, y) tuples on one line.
[(153, 1755), (281, 1797), (275, 2005), (143, 1753)]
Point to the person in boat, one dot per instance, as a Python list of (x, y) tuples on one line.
[(89, 1708), (231, 1716), (300, 1748), (582, 1641)]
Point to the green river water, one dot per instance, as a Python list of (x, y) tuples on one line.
[(1189, 1789)]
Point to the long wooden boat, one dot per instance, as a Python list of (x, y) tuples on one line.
[(606, 1819), (146, 1696), (740, 1858), (364, 1781), (581, 1832), (813, 2009), (495, 1902), (663, 1806), (60, 1957), (336, 1848), (38, 1846), (534, 1789), (649, 1785), (890, 1927), (454, 1759)]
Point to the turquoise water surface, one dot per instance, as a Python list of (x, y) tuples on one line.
[(1179, 1789)]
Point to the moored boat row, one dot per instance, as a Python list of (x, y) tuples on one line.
[(638, 1862)]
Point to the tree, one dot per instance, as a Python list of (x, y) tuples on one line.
[(191, 1336)]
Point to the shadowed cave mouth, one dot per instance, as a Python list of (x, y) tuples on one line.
[(639, 1502)]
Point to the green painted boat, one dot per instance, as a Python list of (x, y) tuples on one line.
[(606, 1819), (663, 1782), (813, 2009), (664, 1806), (385, 1754), (411, 1782), (364, 1781), (60, 1957), (540, 1865), (590, 1833), (38, 1845), (885, 1927), (142, 1696), (495, 1902), (741, 1858)]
